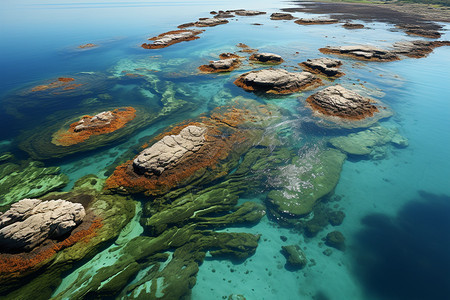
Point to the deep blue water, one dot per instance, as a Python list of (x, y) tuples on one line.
[(397, 208)]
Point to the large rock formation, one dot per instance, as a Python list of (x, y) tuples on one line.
[(276, 81), (266, 58), (222, 65), (249, 12), (418, 48), (343, 103), (99, 120), (362, 52), (31, 221), (166, 153), (316, 21), (323, 66), (172, 37)]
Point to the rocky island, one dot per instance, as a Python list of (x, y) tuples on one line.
[(362, 52), (266, 58), (222, 65), (318, 21), (323, 66), (172, 37)]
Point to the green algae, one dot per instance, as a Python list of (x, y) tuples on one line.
[(30, 179), (305, 181), (369, 142)]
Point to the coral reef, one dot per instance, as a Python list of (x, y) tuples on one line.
[(101, 123), (276, 81), (29, 179), (172, 37)]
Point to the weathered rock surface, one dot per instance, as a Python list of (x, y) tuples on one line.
[(249, 12), (222, 65), (99, 120), (266, 58), (172, 37), (31, 221), (418, 48), (316, 21), (362, 52), (28, 180), (276, 81), (343, 103), (423, 30), (281, 16), (205, 22), (166, 153), (369, 142), (223, 14), (352, 26), (303, 182), (323, 66), (295, 257)]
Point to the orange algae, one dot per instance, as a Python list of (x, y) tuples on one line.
[(71, 137), (61, 82), (19, 263)]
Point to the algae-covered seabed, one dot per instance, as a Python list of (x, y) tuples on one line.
[(395, 198)]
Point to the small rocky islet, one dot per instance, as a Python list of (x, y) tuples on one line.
[(192, 174)]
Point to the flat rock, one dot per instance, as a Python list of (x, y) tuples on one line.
[(423, 30), (249, 12), (268, 58), (167, 152), (281, 16), (418, 48), (222, 65), (352, 26), (276, 81), (362, 52), (343, 103), (323, 66), (316, 21), (31, 221), (172, 37)]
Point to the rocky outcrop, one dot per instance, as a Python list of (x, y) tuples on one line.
[(245, 48), (418, 48), (276, 81), (101, 123), (222, 65), (166, 153), (205, 22), (172, 37), (362, 52), (316, 21), (295, 257), (222, 14), (352, 26), (336, 240), (266, 58), (423, 30), (31, 221), (323, 66), (343, 103), (249, 12), (281, 16), (228, 55)]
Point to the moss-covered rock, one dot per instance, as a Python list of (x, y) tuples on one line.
[(336, 240), (295, 257), (30, 179), (305, 181), (369, 142)]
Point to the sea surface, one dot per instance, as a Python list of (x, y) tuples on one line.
[(396, 205)]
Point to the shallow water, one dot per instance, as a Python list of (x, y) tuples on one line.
[(396, 207)]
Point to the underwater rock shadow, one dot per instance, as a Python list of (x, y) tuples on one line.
[(407, 257)]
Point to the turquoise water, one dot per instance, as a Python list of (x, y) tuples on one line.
[(396, 207)]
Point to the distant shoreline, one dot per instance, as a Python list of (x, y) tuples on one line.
[(396, 13)]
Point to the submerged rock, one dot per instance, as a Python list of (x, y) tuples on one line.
[(369, 142), (249, 12), (172, 37), (266, 58), (343, 103), (28, 180), (316, 21), (222, 65), (276, 81), (295, 257), (418, 48), (352, 26), (281, 16), (301, 184), (87, 46), (336, 240), (362, 52), (323, 66), (31, 221)]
